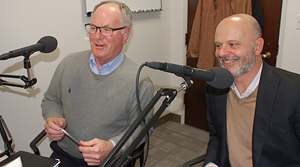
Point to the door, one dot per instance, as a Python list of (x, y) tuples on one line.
[(195, 104)]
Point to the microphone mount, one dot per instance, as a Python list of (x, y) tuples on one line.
[(116, 158), (27, 80)]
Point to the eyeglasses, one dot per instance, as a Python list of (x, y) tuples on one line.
[(105, 31)]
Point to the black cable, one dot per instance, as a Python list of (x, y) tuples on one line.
[(137, 87), (140, 109)]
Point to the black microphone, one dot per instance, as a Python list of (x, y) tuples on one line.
[(216, 77), (46, 44)]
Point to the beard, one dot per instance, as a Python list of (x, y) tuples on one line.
[(245, 64)]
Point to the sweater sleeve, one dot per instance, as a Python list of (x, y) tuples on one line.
[(51, 103)]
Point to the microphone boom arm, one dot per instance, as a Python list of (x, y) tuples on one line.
[(28, 82), (121, 159)]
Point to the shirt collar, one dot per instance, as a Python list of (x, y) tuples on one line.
[(251, 87), (108, 67)]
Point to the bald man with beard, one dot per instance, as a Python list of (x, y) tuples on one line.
[(256, 121)]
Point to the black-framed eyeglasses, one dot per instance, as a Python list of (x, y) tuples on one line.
[(105, 31)]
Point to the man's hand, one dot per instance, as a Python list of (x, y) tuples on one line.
[(95, 151), (52, 128)]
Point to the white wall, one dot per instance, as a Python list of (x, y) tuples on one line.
[(289, 38), (156, 36)]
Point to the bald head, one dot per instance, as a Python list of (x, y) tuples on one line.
[(248, 22)]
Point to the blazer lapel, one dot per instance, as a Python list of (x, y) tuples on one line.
[(223, 122), (267, 91), (219, 106), (220, 103)]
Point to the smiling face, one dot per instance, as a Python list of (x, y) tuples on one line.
[(104, 48), (237, 46)]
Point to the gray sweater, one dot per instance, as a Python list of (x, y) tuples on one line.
[(95, 106)]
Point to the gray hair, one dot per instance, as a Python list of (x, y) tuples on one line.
[(126, 17)]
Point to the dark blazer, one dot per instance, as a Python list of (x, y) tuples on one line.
[(276, 127)]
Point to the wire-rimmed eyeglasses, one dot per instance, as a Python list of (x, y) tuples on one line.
[(105, 31)]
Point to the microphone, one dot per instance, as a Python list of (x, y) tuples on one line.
[(46, 44), (216, 77)]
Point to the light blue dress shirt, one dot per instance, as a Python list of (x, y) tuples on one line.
[(108, 67)]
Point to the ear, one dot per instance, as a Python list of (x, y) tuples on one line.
[(258, 45), (126, 34)]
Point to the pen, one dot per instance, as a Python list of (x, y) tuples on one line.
[(70, 137)]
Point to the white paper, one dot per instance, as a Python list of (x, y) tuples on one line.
[(15, 163)]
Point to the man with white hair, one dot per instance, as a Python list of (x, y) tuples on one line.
[(92, 93)]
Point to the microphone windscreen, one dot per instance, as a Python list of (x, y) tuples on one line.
[(223, 78), (49, 42)]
